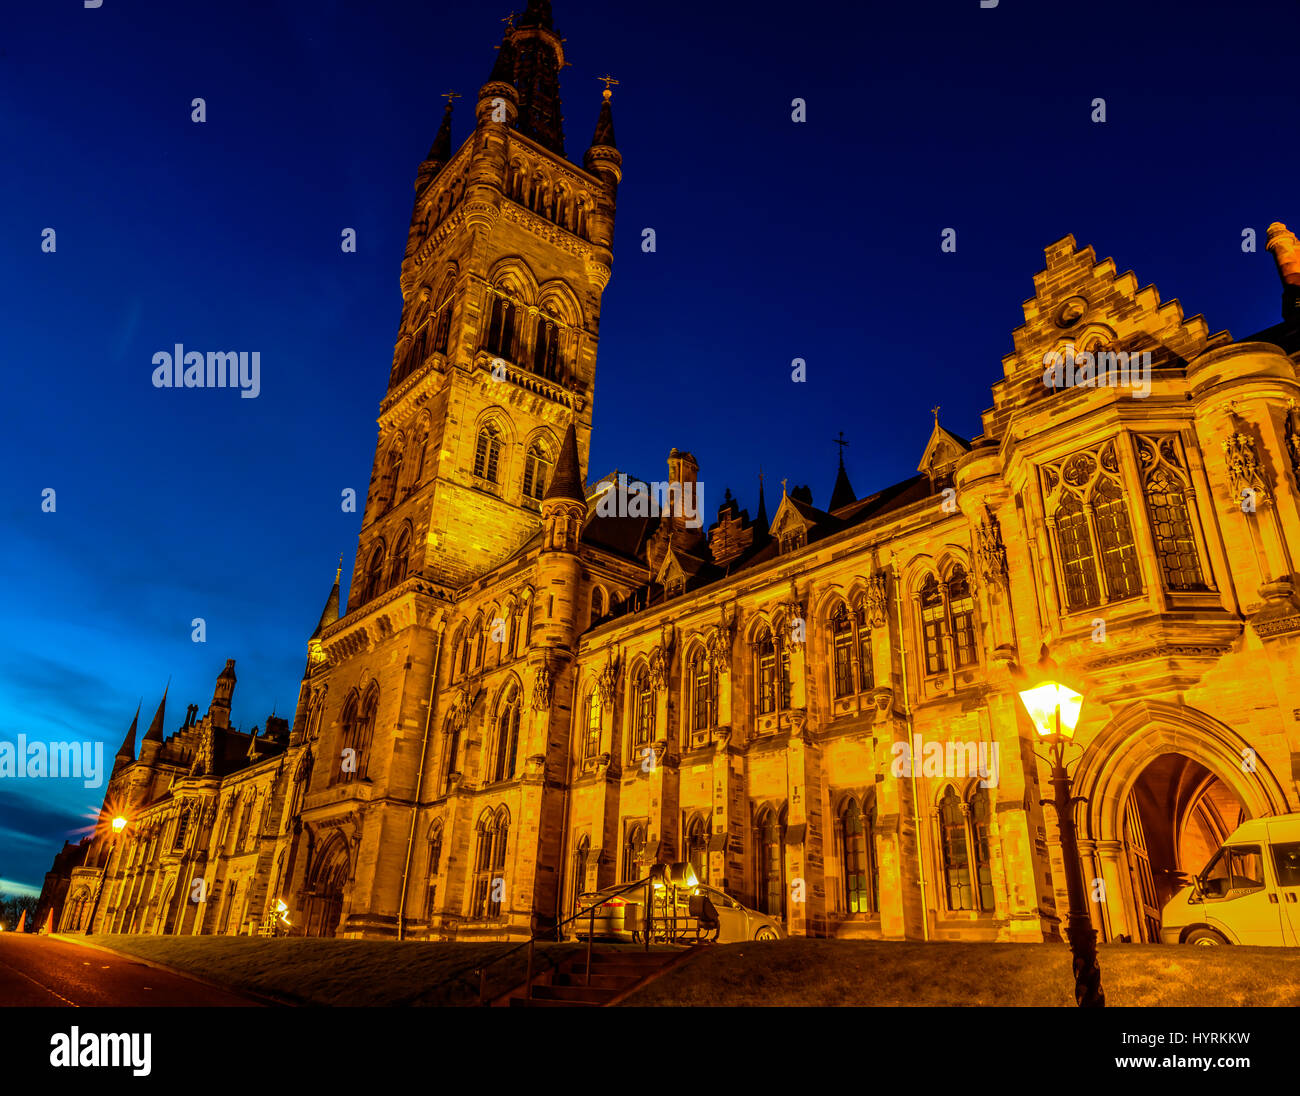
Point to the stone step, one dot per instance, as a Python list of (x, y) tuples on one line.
[(586, 995), (520, 1002)]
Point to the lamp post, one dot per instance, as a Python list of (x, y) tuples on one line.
[(1055, 708), (119, 824)]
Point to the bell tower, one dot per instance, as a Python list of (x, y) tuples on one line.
[(508, 254)]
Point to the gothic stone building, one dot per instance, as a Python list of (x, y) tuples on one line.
[(528, 696)]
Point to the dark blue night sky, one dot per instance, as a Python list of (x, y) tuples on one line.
[(775, 241)]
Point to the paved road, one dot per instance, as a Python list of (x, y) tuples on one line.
[(46, 971)]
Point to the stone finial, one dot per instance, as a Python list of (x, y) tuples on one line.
[(1285, 247)]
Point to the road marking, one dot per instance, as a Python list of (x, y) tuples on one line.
[(39, 984)]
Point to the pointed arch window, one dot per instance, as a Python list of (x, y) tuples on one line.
[(507, 745), (765, 672), (704, 686), (1115, 539), (591, 731), (643, 724), (421, 448), (546, 350), (501, 328), (182, 827), (358, 732), (245, 820), (981, 856), (397, 569), (489, 866), (932, 626), (431, 873), (633, 849), (697, 848), (866, 668), (1165, 487), (487, 453), (962, 607), (1075, 545), (392, 477), (581, 854), (375, 573), (842, 652), (537, 471), (442, 322), (956, 855), (858, 848)]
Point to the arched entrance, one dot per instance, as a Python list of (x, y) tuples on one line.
[(330, 874), (1164, 785)]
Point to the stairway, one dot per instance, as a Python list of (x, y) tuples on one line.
[(614, 974)]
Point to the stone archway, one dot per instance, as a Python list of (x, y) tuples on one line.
[(1163, 783), (330, 874)]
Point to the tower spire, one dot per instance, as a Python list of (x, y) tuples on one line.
[(538, 58), (842, 494), (330, 613), (156, 727), (760, 519), (127, 750)]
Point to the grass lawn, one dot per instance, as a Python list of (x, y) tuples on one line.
[(868, 972), (785, 972)]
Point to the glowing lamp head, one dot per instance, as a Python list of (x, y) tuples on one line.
[(119, 824), (682, 874), (1042, 703)]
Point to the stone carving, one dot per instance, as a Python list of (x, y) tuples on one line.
[(462, 703), (1293, 439), (877, 599), (992, 552), (722, 638), (661, 657), (543, 685), (607, 681), (1244, 467)]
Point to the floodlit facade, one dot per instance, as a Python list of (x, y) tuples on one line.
[(539, 687)]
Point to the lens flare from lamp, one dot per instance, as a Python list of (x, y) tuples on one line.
[(119, 824), (1042, 702)]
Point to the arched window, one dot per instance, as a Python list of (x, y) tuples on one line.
[(703, 683), (1115, 539), (956, 857), (507, 746), (842, 652), (442, 321), (358, 731), (487, 453), (1171, 527), (769, 846), (1075, 545), (643, 713), (463, 661), (697, 848), (980, 854), (580, 856), (591, 734), (936, 650), (182, 827), (392, 476), (397, 568), (546, 350), (866, 668), (962, 606), (421, 446), (537, 471), (633, 849), (375, 573), (431, 874), (501, 328), (599, 605), (489, 866), (857, 842)]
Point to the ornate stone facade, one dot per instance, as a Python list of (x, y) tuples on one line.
[(525, 700)]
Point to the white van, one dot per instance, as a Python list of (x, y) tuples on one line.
[(1249, 892)]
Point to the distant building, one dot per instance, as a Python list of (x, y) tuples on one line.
[(536, 690)]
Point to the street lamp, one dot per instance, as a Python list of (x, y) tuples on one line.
[(119, 824), (1055, 708)]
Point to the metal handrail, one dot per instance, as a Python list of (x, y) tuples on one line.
[(531, 942)]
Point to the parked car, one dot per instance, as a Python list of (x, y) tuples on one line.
[(1249, 892), (622, 916)]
